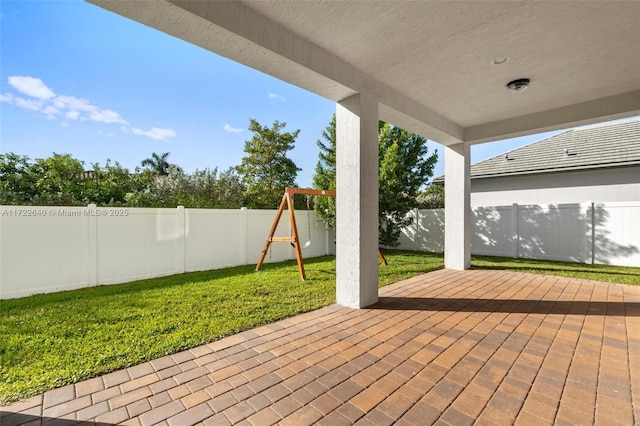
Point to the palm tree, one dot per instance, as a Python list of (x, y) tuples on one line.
[(158, 164)]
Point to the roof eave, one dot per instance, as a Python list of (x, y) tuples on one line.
[(560, 170)]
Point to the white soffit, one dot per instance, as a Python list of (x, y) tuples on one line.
[(429, 62)]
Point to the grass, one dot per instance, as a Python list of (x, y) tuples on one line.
[(51, 340), (608, 273)]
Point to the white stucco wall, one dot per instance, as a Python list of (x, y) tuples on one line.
[(607, 185)]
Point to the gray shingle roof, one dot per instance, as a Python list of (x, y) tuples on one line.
[(601, 146)]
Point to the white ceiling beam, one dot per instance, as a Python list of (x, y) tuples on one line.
[(334, 78), (233, 30), (599, 110)]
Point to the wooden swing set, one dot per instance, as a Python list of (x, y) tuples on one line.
[(287, 201)]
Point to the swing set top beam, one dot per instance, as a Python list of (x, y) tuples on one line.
[(309, 191)]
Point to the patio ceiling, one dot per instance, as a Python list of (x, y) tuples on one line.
[(430, 63)]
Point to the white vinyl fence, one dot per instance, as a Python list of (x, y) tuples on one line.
[(605, 233), (48, 249)]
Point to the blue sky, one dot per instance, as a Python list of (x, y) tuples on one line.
[(77, 79)]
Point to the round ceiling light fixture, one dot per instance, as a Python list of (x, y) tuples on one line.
[(518, 85), (500, 60)]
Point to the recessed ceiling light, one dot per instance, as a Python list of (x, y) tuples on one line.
[(518, 85), (500, 60)]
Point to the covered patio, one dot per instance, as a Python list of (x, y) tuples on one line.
[(440, 69), (448, 347), (456, 346)]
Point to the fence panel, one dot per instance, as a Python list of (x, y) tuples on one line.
[(554, 232), (430, 225), (492, 230), (312, 233), (409, 235), (214, 238), (426, 233), (260, 222), (144, 244), (43, 249), (617, 233), (46, 249)]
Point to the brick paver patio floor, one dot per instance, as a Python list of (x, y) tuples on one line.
[(448, 347)]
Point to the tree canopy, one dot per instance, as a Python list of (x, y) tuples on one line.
[(17, 182), (325, 173), (55, 180), (158, 164), (258, 182), (61, 180), (266, 170), (404, 168), (432, 197)]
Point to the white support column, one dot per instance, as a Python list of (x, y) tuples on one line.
[(357, 201), (457, 216)]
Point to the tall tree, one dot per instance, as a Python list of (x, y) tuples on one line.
[(58, 181), (266, 170), (108, 185), (230, 190), (325, 175), (17, 180), (158, 164), (432, 197), (404, 168)]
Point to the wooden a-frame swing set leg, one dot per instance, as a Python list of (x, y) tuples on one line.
[(287, 201)]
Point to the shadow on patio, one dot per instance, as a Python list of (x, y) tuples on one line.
[(522, 306), (448, 347)]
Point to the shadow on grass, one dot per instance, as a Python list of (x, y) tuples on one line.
[(547, 269), (134, 288), (403, 264), (609, 273), (520, 306)]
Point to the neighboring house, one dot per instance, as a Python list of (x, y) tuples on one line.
[(596, 163)]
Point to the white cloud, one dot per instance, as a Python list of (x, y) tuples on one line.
[(106, 116), (275, 97), (72, 115), (50, 111), (41, 99), (8, 98), (30, 86), (155, 133), (230, 129), (28, 104), (82, 109), (74, 104)]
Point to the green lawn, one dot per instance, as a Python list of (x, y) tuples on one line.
[(51, 340), (609, 273)]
